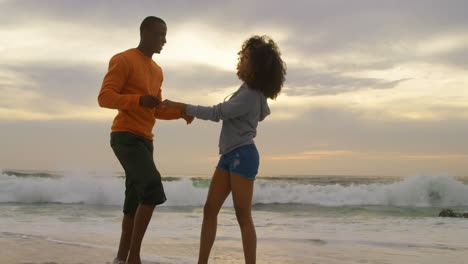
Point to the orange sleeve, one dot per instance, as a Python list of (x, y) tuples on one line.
[(110, 95), (166, 113)]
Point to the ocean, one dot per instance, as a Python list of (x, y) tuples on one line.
[(75, 218)]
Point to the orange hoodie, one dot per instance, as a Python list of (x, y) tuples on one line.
[(130, 75)]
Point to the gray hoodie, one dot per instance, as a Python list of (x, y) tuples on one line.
[(240, 115)]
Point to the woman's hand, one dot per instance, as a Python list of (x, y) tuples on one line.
[(188, 119), (175, 105), (181, 107)]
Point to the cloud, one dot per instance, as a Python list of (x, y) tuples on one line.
[(49, 91), (309, 155), (435, 157), (79, 83), (315, 26), (335, 129), (326, 140), (198, 78), (356, 155), (363, 76), (307, 82), (42, 92), (457, 57), (337, 35)]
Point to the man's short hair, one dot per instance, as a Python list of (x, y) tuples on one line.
[(148, 21)]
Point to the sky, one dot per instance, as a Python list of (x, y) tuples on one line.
[(372, 87)]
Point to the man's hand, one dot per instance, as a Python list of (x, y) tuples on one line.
[(188, 119), (149, 101)]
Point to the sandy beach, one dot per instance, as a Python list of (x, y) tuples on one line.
[(40, 251)]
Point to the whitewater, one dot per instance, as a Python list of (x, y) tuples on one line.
[(71, 217), (417, 191)]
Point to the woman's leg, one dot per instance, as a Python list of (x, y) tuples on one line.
[(242, 192), (219, 189)]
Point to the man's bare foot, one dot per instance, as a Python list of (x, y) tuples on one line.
[(133, 261), (118, 261)]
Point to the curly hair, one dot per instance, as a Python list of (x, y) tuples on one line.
[(265, 70)]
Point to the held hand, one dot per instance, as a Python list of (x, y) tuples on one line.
[(175, 105), (149, 101), (181, 107), (188, 119)]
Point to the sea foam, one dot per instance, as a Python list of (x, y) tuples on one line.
[(417, 191)]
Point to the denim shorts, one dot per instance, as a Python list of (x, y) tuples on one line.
[(243, 160)]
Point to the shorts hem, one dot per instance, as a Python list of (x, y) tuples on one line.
[(153, 203), (238, 173), (244, 176)]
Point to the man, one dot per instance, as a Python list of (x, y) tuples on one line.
[(132, 85)]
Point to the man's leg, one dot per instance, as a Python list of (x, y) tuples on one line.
[(219, 190), (144, 188), (124, 153), (142, 218), (125, 238)]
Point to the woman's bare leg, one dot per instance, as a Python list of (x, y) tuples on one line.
[(219, 190), (242, 192)]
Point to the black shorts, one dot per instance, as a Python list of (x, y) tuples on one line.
[(143, 183)]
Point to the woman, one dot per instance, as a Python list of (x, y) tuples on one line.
[(262, 71)]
